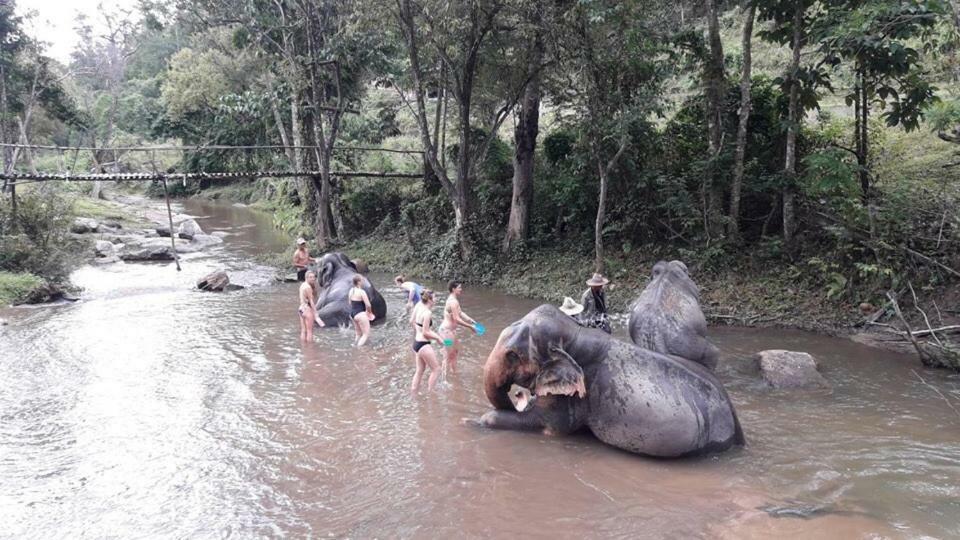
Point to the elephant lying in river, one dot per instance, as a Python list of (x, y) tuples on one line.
[(666, 318), (334, 279), (629, 397)]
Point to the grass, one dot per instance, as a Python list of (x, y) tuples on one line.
[(16, 287), (105, 211)]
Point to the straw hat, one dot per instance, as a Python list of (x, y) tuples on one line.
[(597, 280), (570, 306), (301, 241)]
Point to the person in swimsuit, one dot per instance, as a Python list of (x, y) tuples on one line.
[(308, 307), (423, 332), (360, 310), (413, 290), (301, 258), (453, 317)]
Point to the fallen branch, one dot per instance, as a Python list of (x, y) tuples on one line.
[(924, 356)]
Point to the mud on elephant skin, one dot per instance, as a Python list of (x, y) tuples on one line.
[(335, 273), (666, 317), (547, 373)]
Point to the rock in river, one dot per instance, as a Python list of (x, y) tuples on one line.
[(789, 369), (217, 281), (105, 248), (189, 229), (82, 225)]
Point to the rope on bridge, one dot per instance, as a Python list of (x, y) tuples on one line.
[(201, 148), (28, 178)]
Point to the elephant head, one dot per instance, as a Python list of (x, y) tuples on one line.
[(674, 273), (330, 265), (530, 356)]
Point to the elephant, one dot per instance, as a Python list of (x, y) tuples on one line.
[(334, 279), (564, 377), (667, 319)]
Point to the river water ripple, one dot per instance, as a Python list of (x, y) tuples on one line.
[(151, 410)]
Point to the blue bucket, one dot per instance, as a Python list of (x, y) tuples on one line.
[(481, 329)]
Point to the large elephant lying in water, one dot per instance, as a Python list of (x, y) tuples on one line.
[(629, 397), (666, 318), (334, 279)]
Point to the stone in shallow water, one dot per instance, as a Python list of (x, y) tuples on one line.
[(789, 369), (82, 225), (216, 281), (189, 229)]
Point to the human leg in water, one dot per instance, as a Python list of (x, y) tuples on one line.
[(306, 324), (362, 325), (450, 354), (429, 357), (418, 374)]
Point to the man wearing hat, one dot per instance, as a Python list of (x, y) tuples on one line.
[(594, 302), (571, 307), (301, 258)]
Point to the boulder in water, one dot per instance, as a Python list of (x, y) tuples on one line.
[(204, 240), (188, 229), (789, 369), (146, 250), (105, 248), (217, 281), (82, 225)]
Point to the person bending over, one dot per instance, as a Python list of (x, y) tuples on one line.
[(413, 290)]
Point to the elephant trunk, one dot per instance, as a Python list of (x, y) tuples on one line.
[(496, 375)]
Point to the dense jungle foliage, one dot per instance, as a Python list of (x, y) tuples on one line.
[(815, 137)]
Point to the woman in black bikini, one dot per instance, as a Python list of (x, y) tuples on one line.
[(423, 324), (360, 310)]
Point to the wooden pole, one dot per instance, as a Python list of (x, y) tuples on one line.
[(173, 243)]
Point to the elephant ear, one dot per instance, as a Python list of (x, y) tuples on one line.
[(561, 375)]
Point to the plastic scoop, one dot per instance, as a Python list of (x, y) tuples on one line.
[(481, 329), (447, 342)]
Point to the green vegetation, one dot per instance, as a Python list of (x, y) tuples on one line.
[(16, 287), (556, 138)]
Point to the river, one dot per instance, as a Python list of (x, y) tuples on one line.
[(149, 409)]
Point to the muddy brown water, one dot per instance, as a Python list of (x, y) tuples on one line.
[(151, 410)]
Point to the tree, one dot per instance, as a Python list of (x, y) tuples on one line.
[(733, 224), (525, 137), (791, 21), (453, 36), (100, 62), (714, 82), (877, 39), (611, 67)]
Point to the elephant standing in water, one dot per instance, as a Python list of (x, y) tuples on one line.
[(334, 279), (667, 319), (565, 377)]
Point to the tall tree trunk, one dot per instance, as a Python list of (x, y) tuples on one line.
[(605, 171), (525, 141), (715, 90), (598, 264), (793, 126), (745, 104)]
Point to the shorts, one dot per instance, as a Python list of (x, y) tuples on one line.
[(302, 274)]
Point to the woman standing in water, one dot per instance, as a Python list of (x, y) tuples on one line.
[(360, 310), (308, 307), (425, 355)]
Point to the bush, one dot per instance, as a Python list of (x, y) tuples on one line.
[(36, 239)]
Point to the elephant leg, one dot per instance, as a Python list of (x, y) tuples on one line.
[(513, 420)]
